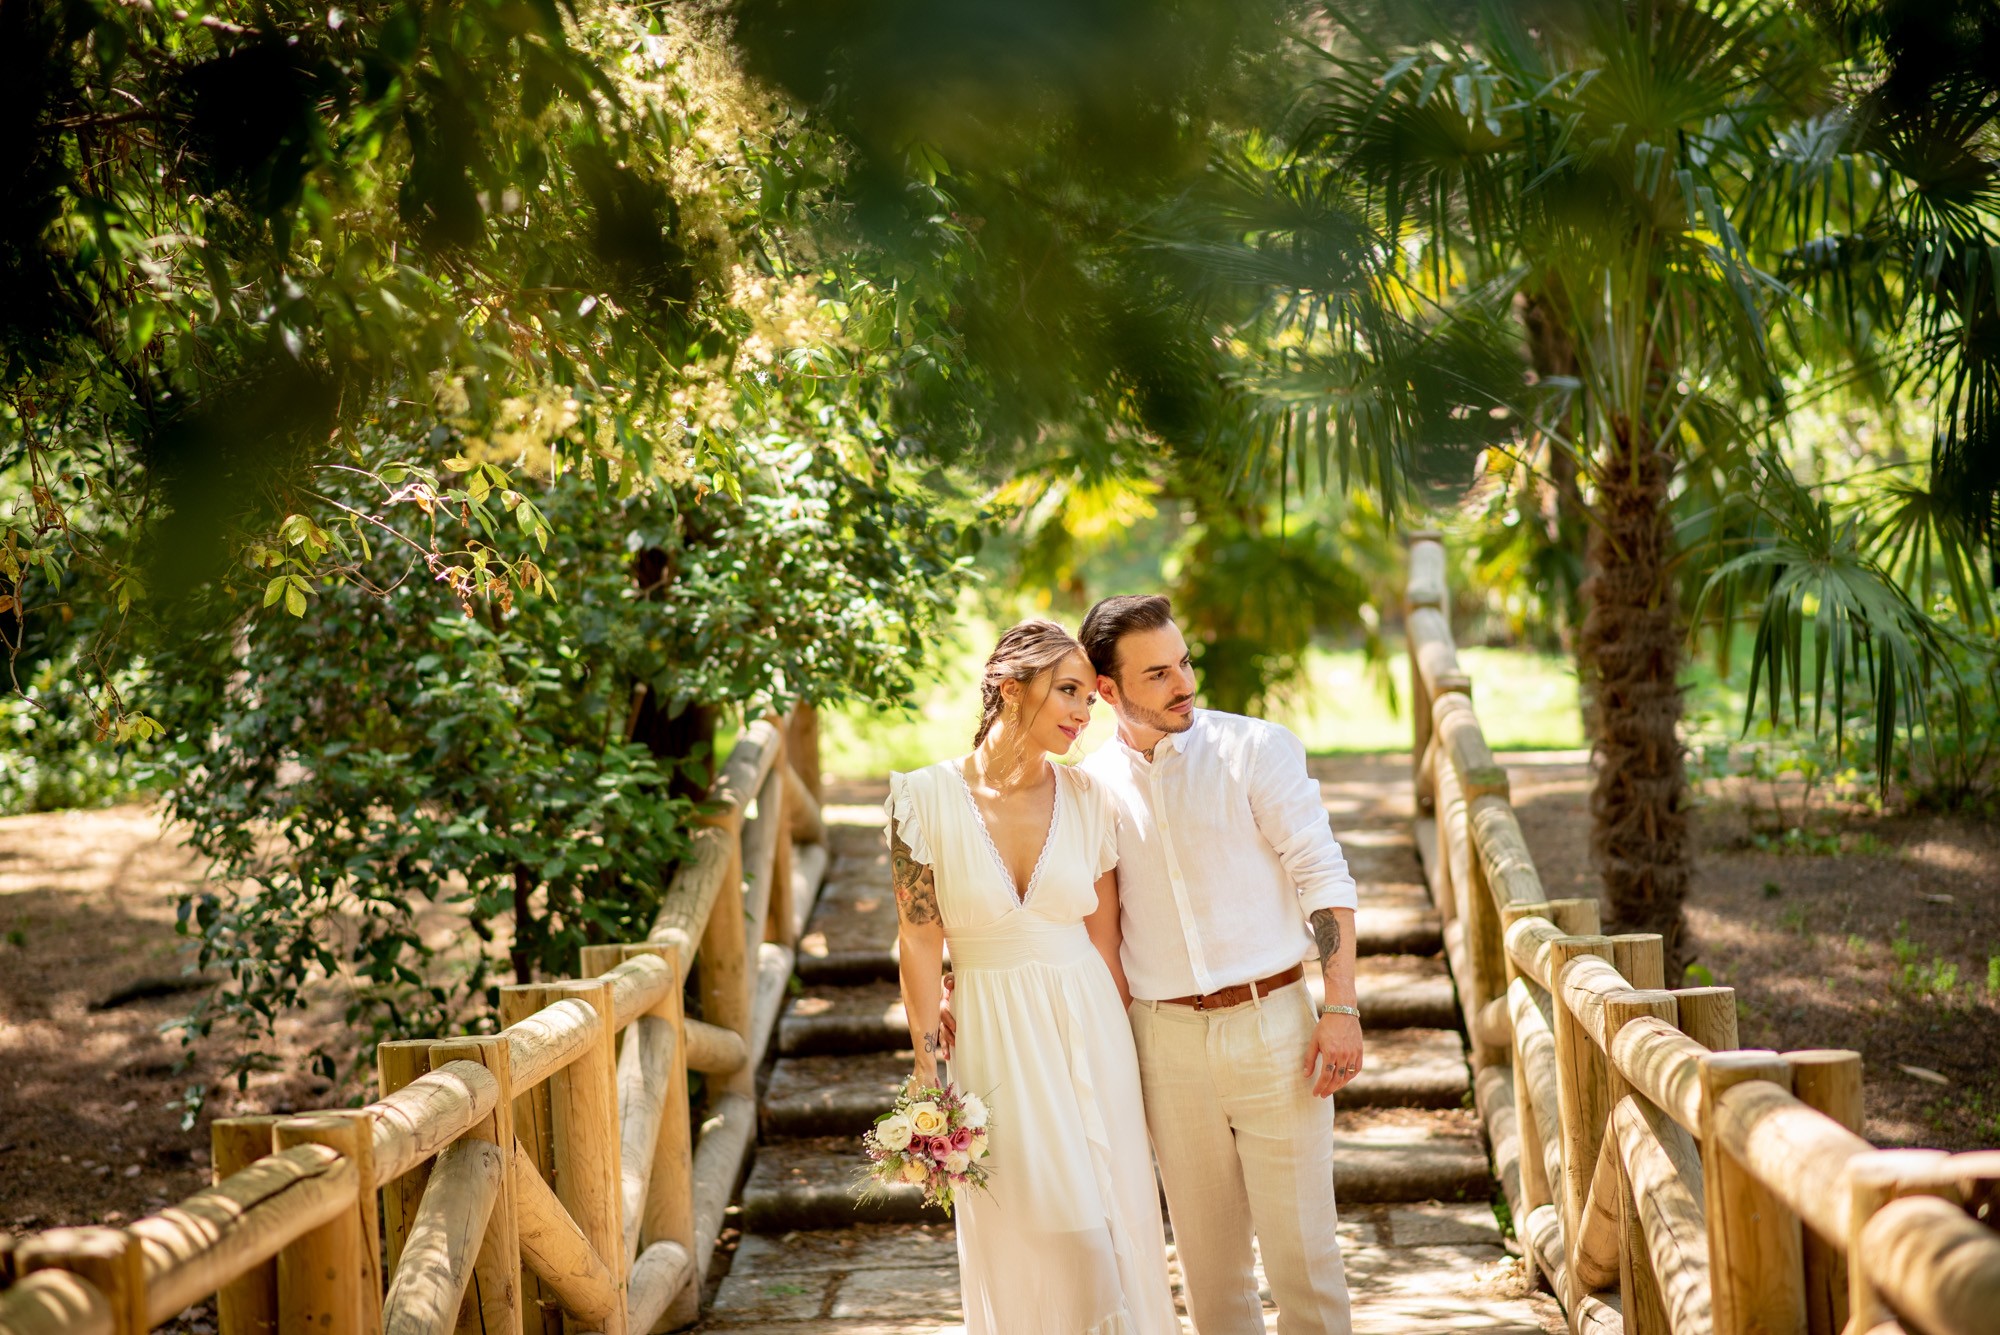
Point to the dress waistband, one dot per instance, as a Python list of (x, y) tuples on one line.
[(1017, 941)]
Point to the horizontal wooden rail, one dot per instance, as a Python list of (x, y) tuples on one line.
[(1937, 1266), (1663, 1181), (550, 1161)]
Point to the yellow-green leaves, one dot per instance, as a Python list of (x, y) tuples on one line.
[(301, 532), (136, 727), (292, 589)]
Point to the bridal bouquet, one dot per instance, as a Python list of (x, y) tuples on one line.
[(934, 1137)]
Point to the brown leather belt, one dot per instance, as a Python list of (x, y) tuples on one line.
[(1242, 992)]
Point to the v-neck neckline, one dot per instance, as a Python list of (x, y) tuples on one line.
[(1019, 895)]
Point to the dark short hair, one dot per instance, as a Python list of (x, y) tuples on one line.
[(1113, 619)]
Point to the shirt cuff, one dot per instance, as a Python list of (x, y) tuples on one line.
[(1334, 893)]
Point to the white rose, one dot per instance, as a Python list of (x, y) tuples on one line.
[(914, 1171), (978, 1147), (975, 1111), (927, 1119), (895, 1133), (957, 1161)]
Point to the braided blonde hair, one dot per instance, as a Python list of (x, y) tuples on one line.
[(1025, 652)]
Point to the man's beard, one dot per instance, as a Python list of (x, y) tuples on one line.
[(1164, 720)]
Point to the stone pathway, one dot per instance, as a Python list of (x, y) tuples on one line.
[(1424, 1252)]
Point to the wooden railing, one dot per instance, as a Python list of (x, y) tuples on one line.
[(1664, 1181), (543, 1179)]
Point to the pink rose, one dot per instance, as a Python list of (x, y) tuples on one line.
[(939, 1147), (961, 1139)]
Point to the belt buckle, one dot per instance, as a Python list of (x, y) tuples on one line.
[(1200, 1002)]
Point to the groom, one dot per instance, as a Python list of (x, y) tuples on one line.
[(1227, 876)]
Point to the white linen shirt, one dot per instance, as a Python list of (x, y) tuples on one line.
[(1224, 850)]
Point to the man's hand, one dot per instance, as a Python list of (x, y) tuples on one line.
[(1336, 1052), (947, 1026)]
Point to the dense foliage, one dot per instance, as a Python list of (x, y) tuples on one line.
[(421, 424), (391, 784), (1686, 217)]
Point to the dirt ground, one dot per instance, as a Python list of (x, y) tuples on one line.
[(1882, 947), (91, 1091)]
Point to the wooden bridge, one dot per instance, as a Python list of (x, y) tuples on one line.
[(556, 1177)]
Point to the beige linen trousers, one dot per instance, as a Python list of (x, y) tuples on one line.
[(1244, 1146)]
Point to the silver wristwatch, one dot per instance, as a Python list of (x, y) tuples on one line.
[(1328, 1009)]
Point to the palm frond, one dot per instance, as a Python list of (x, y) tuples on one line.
[(1866, 632)]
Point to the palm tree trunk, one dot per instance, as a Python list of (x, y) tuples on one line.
[(1630, 653)]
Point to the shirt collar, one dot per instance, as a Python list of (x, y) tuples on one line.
[(1171, 743)]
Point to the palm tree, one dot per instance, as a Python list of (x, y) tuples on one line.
[(1629, 187)]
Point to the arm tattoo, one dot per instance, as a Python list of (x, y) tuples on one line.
[(916, 884), (1326, 931)]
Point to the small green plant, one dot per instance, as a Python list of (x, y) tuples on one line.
[(1794, 919), (1857, 943), (1993, 975), (1700, 975), (1928, 979), (1772, 889), (1827, 843)]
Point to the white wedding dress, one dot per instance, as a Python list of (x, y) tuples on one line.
[(1067, 1238)]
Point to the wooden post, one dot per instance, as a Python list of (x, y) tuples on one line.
[(534, 1138), (722, 965), (778, 914), (109, 1258), (1708, 1016), (1755, 1263), (1422, 779), (1830, 1081), (802, 746), (1641, 957), (1583, 1109), (583, 1107), (1644, 1306), (1535, 1190), (669, 1211), (248, 1304), (493, 1305), (1485, 947), (659, 1173), (1873, 1180), (397, 1063), (1449, 865), (329, 1280), (1578, 917)]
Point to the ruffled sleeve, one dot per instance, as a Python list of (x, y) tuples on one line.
[(1099, 796), (903, 822)]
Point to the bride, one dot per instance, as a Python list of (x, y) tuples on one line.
[(1008, 856)]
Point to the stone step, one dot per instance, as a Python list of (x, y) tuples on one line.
[(812, 1184), (1402, 1156), (842, 1095), (1397, 992), (1416, 1267), (852, 936)]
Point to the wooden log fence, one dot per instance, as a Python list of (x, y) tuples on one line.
[(545, 1179), (1663, 1181)]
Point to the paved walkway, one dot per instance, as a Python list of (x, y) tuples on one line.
[(1424, 1250)]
